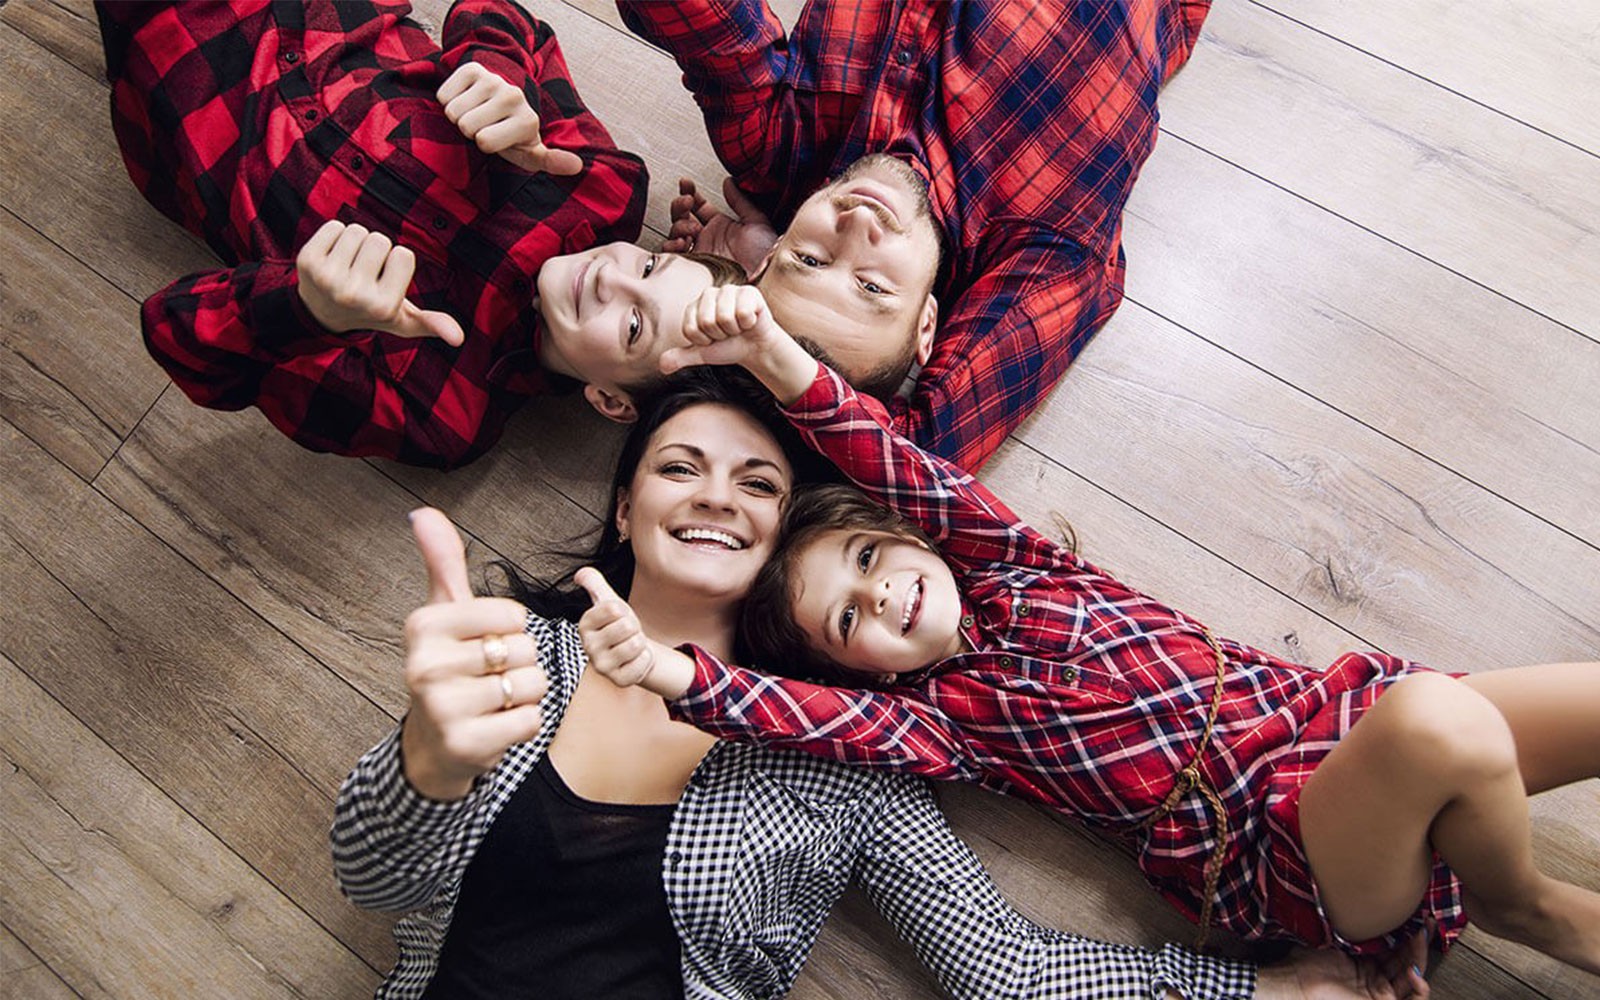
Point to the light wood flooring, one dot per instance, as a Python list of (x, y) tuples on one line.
[(1352, 401)]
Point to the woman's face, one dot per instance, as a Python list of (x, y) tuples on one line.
[(702, 509)]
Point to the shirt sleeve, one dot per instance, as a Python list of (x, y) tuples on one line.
[(1004, 345), (393, 849), (878, 729), (935, 892), (973, 528), (242, 337)]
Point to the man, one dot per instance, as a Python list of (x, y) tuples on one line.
[(1009, 131), (407, 260)]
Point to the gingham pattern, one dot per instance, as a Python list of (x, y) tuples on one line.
[(251, 125), (1084, 694), (761, 845), (1029, 121)]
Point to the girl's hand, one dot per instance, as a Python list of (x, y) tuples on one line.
[(351, 278), (472, 672), (495, 115), (731, 325), (698, 226), (1333, 975), (616, 644)]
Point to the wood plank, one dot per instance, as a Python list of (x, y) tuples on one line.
[(1536, 62), (25, 973), (66, 28), (1502, 204), (239, 726), (1490, 389), (98, 836), (75, 377), (64, 177)]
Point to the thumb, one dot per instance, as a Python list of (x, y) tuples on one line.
[(594, 582), (561, 162), (742, 206), (417, 323), (443, 556)]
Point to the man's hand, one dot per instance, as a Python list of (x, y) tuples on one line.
[(697, 225), (1333, 975), (495, 115), (731, 325), (355, 279), (616, 644), (472, 671)]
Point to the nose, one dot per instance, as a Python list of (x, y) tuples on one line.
[(877, 595), (715, 493), (861, 219), (611, 279)]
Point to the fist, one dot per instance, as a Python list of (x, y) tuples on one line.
[(612, 637), (495, 115), (351, 278)]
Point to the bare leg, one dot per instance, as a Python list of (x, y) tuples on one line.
[(1554, 713), (1434, 765)]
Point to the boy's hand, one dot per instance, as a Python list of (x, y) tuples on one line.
[(355, 279), (617, 646), (698, 226), (731, 325), (495, 115)]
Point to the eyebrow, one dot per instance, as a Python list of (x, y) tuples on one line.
[(753, 462)]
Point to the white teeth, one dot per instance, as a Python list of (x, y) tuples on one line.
[(708, 535), (912, 597)]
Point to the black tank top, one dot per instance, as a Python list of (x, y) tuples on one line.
[(564, 899)]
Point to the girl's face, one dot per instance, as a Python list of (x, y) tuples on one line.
[(702, 509), (876, 602)]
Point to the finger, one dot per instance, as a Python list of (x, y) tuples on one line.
[(749, 305), (370, 257), (559, 162), (343, 253), (398, 265), (436, 653), (742, 206), (458, 82), (499, 731), (676, 244), (444, 556), (686, 188), (479, 110), (503, 692), (593, 581), (323, 239), (418, 323), (675, 359)]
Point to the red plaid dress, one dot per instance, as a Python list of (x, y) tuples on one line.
[(1029, 120), (253, 123), (1084, 695)]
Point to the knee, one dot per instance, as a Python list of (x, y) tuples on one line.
[(1448, 728)]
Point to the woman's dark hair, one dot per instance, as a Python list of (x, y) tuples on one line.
[(768, 632), (558, 597)]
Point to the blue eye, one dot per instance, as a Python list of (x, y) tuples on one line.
[(633, 329), (650, 265), (847, 618), (874, 288), (807, 260), (864, 557)]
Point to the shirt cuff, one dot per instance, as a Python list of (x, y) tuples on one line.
[(410, 811), (1201, 977)]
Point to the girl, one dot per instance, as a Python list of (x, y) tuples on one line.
[(553, 835), (1275, 800)]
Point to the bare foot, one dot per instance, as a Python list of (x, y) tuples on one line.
[(1560, 919)]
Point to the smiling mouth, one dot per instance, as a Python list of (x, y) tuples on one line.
[(913, 607), (700, 537), (577, 288)]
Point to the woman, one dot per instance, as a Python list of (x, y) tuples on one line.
[(554, 834)]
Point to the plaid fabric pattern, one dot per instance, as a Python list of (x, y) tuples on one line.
[(761, 845), (251, 124), (1028, 120), (1083, 694)]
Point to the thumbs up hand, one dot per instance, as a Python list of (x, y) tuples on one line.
[(351, 278), (472, 672), (618, 648)]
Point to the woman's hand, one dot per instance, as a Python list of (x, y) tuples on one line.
[(351, 278), (495, 114), (1333, 975), (472, 672), (617, 647), (731, 325), (698, 226)]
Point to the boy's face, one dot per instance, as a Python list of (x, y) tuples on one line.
[(877, 603)]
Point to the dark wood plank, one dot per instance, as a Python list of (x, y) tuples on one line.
[(66, 28), (97, 836), (75, 377), (236, 724)]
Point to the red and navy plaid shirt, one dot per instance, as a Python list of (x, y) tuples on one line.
[(1083, 694), (253, 125), (1029, 121)]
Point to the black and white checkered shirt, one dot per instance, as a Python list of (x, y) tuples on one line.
[(762, 844)]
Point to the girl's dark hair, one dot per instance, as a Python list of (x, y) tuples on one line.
[(558, 597), (768, 632)]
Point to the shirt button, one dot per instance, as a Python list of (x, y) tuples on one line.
[(358, 161), (439, 222), (1022, 609), (903, 57), (311, 115), (1006, 662), (1071, 673), (674, 859), (966, 621), (291, 57)]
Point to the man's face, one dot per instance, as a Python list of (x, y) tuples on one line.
[(854, 271), (610, 312)]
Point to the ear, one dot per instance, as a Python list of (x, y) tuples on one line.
[(611, 405), (927, 324), (761, 268), (624, 505)]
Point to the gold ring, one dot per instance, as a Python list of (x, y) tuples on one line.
[(495, 654), (507, 698)]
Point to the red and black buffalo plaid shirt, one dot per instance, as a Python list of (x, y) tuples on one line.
[(1029, 120), (254, 123)]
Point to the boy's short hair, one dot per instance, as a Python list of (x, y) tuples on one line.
[(769, 636)]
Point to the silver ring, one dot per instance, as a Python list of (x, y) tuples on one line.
[(496, 653), (508, 698)]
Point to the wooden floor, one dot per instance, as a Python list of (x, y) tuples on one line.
[(1352, 401)]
